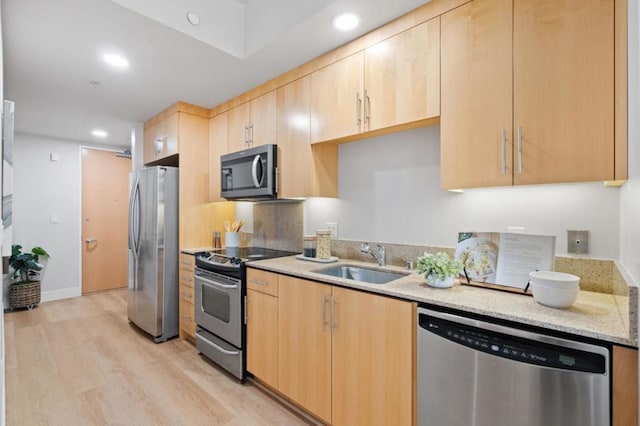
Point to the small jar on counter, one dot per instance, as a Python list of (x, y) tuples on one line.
[(309, 245), (323, 244)]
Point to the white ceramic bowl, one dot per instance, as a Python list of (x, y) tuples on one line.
[(554, 297), (554, 279)]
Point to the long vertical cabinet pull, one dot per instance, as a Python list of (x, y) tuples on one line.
[(519, 150), (333, 312), (367, 110), (324, 312), (246, 132), (251, 134), (504, 151), (358, 107)]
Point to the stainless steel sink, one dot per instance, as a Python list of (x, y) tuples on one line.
[(357, 273)]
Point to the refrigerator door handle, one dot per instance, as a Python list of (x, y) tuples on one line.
[(131, 209), (136, 242)]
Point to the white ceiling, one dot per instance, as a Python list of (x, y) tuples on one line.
[(53, 48)]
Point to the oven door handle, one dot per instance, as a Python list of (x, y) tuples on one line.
[(215, 284), (221, 349)]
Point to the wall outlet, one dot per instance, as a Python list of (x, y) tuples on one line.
[(54, 219), (578, 242), (333, 227)]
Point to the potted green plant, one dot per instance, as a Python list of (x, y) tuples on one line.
[(24, 292), (438, 270)]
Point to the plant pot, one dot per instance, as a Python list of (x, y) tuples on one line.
[(435, 281), (25, 295)]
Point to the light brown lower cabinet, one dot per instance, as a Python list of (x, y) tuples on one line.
[(345, 356), (187, 323), (625, 386), (262, 337)]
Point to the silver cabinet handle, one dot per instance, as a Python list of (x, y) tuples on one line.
[(251, 134), (333, 321), (519, 150), (504, 152), (253, 280), (246, 134), (90, 240), (324, 312), (358, 106), (367, 107)]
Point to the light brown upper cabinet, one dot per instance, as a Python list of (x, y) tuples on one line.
[(161, 139), (527, 93), (402, 78), (253, 123), (218, 127), (392, 83), (305, 170)]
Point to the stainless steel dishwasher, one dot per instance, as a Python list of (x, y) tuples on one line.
[(475, 373)]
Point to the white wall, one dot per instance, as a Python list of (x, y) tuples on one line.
[(389, 191), (42, 188), (630, 193)]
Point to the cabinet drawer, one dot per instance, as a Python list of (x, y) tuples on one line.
[(187, 261), (186, 277), (262, 281), (186, 293), (187, 321)]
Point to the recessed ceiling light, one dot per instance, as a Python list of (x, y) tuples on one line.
[(193, 18), (116, 61), (345, 21), (98, 133)]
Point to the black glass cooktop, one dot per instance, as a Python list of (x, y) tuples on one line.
[(230, 259)]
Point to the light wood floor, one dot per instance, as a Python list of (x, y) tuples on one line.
[(79, 362)]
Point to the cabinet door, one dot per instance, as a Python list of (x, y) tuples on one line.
[(372, 359), (217, 146), (161, 139), (262, 337), (402, 77), (305, 170), (563, 90), (337, 99), (238, 130), (476, 98), (304, 344), (264, 120), (625, 386)]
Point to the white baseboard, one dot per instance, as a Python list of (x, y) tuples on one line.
[(65, 293)]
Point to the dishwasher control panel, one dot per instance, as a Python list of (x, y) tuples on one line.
[(515, 348)]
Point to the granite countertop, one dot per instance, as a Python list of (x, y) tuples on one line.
[(594, 315)]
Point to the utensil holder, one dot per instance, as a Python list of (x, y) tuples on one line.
[(232, 239)]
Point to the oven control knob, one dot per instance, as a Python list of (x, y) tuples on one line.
[(235, 260)]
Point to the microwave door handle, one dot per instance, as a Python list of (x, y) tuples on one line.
[(254, 172)]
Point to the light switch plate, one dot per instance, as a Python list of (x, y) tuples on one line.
[(577, 242), (333, 227)]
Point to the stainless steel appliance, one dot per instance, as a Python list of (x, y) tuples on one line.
[(250, 174), (475, 372), (152, 300), (220, 300)]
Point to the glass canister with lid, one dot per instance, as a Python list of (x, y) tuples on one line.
[(323, 244), (309, 245)]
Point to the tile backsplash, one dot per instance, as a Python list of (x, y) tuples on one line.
[(278, 225)]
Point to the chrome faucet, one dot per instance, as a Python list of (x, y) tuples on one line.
[(380, 257)]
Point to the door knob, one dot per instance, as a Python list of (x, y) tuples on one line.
[(90, 240)]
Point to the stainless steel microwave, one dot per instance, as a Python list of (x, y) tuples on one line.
[(250, 174)]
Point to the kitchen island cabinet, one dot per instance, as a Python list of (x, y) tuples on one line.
[(305, 169), (343, 355), (527, 93)]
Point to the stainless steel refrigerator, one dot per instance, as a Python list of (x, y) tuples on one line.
[(153, 251)]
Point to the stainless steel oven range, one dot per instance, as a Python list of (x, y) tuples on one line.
[(220, 295)]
